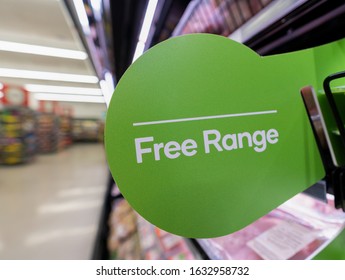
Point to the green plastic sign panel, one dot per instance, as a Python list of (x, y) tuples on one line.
[(203, 136)]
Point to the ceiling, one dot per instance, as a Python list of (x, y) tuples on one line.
[(48, 23), (44, 23)]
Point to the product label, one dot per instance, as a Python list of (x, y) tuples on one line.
[(282, 241), (203, 136)]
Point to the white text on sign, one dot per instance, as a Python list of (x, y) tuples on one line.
[(213, 141)]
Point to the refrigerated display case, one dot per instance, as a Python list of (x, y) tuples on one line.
[(305, 223), (299, 229)]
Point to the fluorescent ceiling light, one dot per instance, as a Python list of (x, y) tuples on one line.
[(79, 7), (145, 28), (107, 86), (105, 91), (41, 50), (63, 90), (69, 98), (97, 7), (39, 75), (108, 77), (139, 50)]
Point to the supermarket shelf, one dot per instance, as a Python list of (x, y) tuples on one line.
[(17, 135), (87, 130)]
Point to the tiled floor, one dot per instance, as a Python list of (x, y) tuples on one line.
[(50, 208)]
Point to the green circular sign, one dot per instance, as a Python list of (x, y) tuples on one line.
[(203, 136)]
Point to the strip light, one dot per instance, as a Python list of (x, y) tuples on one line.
[(80, 9), (41, 50), (150, 11), (97, 7), (139, 50), (62, 90), (145, 28), (69, 98), (39, 75), (107, 87)]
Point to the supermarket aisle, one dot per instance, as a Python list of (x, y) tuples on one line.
[(50, 209)]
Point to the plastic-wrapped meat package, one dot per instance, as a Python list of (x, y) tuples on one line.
[(298, 229), (234, 246), (158, 244)]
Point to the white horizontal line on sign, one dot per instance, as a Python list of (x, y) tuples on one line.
[(207, 118)]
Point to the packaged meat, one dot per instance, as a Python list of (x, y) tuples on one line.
[(298, 229)]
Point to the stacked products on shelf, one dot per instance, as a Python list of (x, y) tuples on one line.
[(24, 132), (158, 244), (47, 132), (65, 132), (17, 135), (123, 242), (86, 130), (132, 237)]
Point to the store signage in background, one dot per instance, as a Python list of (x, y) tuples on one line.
[(15, 95), (203, 136)]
